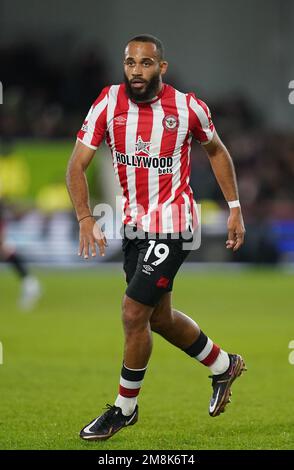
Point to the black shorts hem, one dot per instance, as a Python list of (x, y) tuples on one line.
[(149, 302)]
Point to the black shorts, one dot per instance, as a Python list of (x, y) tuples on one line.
[(151, 265)]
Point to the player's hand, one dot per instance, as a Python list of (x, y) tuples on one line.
[(236, 229), (91, 236)]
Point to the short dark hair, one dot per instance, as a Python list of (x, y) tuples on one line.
[(154, 40)]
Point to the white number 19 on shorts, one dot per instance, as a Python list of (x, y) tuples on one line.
[(161, 252)]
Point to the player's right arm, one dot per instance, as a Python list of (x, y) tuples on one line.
[(90, 137), (90, 232)]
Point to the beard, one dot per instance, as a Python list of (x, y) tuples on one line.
[(150, 91)]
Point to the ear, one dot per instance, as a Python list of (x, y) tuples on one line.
[(163, 67)]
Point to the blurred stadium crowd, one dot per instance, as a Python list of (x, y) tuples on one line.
[(47, 101)]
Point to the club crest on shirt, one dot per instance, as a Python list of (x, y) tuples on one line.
[(142, 147), (170, 122)]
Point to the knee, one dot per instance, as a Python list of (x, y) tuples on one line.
[(135, 316)]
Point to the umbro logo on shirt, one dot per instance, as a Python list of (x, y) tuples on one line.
[(85, 126), (120, 120)]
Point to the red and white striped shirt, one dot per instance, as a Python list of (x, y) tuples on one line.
[(150, 145)]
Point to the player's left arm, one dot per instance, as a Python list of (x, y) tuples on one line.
[(223, 168)]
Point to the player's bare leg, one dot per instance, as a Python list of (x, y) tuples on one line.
[(138, 336), (30, 289), (176, 327), (179, 329), (137, 350)]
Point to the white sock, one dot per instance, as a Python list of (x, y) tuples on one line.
[(221, 364), (127, 405)]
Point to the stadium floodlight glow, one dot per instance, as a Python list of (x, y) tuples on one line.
[(291, 94)]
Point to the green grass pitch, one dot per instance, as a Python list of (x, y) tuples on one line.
[(61, 364)]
